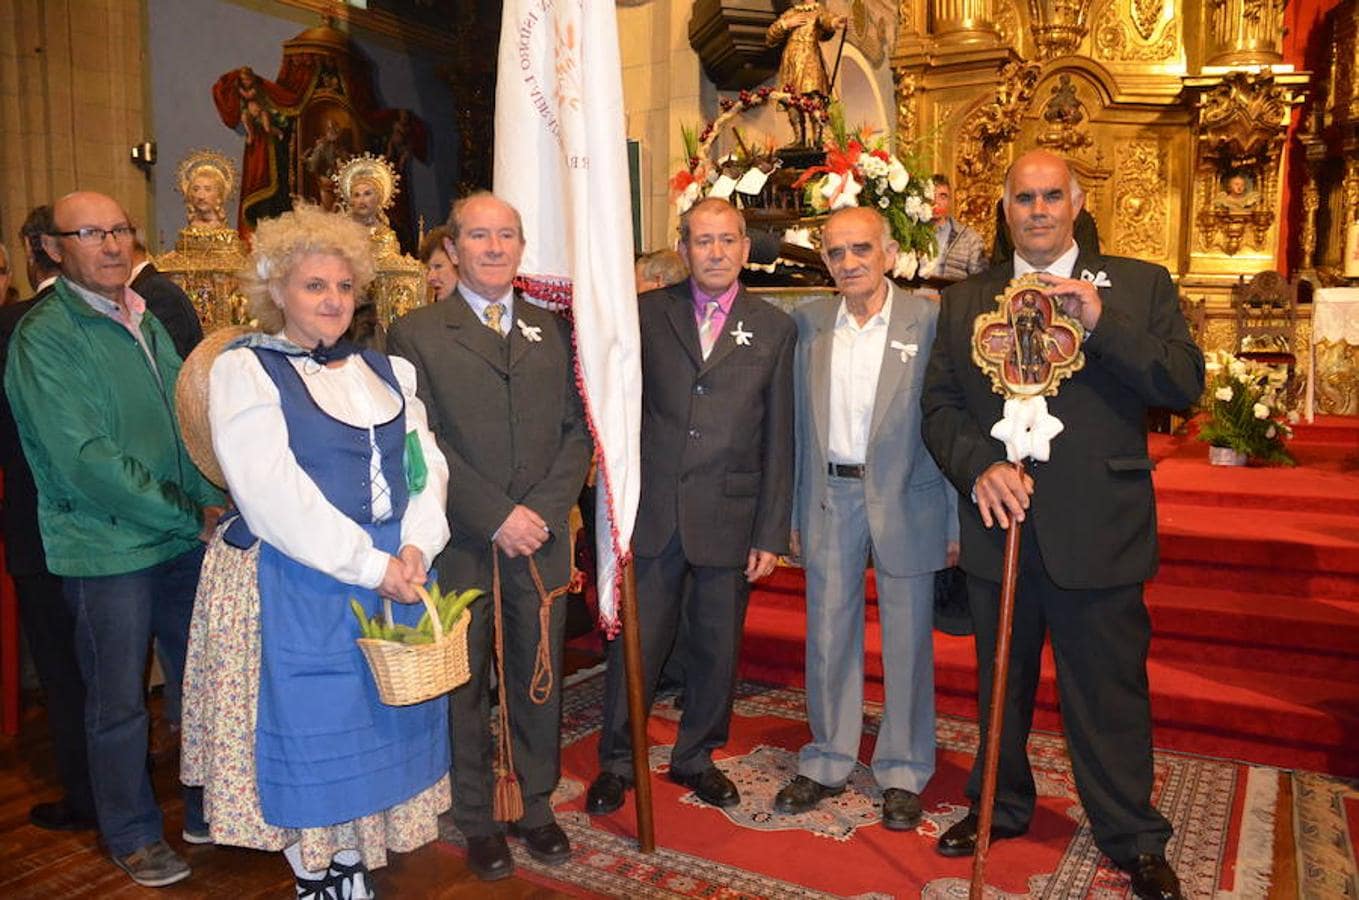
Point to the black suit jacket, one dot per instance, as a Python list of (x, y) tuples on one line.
[(1093, 509), (168, 302), (23, 541), (717, 435), (508, 418)]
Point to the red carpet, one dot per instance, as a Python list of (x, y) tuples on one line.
[(1255, 611), (1223, 813)]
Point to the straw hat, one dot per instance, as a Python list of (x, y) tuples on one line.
[(191, 401)]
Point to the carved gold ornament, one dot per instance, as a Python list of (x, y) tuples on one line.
[(1027, 345)]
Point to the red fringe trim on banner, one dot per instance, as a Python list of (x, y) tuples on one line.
[(621, 557), (555, 293)]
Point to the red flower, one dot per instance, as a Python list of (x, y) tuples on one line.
[(681, 180)]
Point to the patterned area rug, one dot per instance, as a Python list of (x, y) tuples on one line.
[(1223, 813)]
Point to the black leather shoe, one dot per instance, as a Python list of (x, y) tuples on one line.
[(710, 785), (961, 839), (605, 794), (547, 843), (489, 856), (60, 817), (1153, 879), (900, 809), (803, 794)]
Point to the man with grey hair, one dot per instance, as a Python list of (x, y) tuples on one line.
[(497, 378), (866, 486), (124, 512), (1087, 516)]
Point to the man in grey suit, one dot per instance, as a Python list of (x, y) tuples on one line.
[(867, 485), (717, 473), (496, 376)]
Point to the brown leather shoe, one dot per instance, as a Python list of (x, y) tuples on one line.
[(961, 839), (710, 785), (802, 794), (900, 809), (1153, 878)]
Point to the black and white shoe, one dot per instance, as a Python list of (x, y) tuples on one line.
[(352, 882)]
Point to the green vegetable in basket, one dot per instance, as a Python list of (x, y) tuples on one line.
[(449, 606)]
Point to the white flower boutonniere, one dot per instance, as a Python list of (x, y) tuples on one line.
[(532, 333), (908, 351), (742, 336), (1099, 279)]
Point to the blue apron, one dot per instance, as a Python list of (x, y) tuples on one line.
[(326, 749)]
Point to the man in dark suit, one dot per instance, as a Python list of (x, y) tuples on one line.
[(497, 379), (716, 499), (49, 626), (166, 300), (1087, 515)]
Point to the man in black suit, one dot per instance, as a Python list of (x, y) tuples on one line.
[(716, 499), (49, 626), (166, 300), (1087, 515), (497, 378)]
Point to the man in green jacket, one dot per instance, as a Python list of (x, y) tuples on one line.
[(123, 512)]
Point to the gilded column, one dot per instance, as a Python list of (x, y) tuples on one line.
[(1244, 32), (964, 22)]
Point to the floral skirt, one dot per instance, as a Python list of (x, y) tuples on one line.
[(221, 691)]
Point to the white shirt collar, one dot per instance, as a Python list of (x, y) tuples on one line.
[(1062, 266), (882, 317), (46, 282), (137, 269)]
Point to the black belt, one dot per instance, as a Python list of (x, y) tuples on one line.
[(841, 470)]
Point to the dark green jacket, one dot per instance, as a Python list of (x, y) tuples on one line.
[(117, 491)]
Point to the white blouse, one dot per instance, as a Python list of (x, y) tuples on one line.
[(283, 505)]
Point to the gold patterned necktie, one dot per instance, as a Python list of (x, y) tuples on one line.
[(493, 313), (707, 333)]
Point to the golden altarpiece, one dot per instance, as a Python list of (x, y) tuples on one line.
[(1173, 114)]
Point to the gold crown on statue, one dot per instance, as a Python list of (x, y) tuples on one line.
[(367, 167), (211, 162)]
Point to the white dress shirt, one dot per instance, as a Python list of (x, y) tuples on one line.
[(479, 304), (856, 360), (282, 504), (1062, 266)]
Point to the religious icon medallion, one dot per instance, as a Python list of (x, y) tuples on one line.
[(1028, 344)]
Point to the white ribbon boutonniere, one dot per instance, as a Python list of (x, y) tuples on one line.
[(1099, 279), (532, 333), (742, 336), (908, 351)]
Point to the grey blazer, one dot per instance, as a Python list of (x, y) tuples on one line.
[(912, 510)]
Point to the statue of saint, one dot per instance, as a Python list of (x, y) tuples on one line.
[(1237, 194), (208, 252), (367, 186), (802, 70)]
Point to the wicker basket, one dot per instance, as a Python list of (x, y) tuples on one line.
[(412, 673)]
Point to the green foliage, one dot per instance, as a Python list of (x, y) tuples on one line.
[(449, 606), (1244, 409)]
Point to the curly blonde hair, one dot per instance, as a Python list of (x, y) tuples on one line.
[(281, 242)]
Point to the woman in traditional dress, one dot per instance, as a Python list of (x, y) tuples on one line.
[(340, 489)]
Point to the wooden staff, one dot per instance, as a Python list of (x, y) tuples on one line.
[(637, 713), (840, 51), (1000, 671)]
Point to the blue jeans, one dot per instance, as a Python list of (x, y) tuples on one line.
[(116, 617)]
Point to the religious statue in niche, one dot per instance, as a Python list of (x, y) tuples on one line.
[(1238, 193), (208, 253), (319, 111), (802, 70), (1063, 116)]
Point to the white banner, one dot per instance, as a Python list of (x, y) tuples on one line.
[(561, 160)]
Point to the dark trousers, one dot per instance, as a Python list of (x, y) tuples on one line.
[(116, 618), (1099, 640), (535, 728), (714, 610), (49, 629)]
